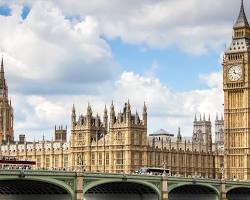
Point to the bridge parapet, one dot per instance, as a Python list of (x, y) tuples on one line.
[(78, 184)]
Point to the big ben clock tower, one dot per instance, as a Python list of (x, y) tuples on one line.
[(236, 84)]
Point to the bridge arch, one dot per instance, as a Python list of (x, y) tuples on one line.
[(137, 184), (189, 190), (238, 192), (46, 180)]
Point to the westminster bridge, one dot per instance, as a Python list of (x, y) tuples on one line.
[(55, 185)]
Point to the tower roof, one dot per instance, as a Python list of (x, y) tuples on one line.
[(242, 21)]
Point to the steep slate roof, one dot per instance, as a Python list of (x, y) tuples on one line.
[(242, 19)]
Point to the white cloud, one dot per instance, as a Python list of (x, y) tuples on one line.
[(213, 80), (167, 109), (194, 26), (48, 54), (48, 48)]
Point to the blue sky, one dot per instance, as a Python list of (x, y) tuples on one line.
[(164, 52), (179, 74)]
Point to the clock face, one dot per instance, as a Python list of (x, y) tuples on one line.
[(234, 73)]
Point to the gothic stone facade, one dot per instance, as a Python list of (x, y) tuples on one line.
[(119, 143), (236, 84)]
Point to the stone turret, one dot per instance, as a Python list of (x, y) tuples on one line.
[(179, 137), (6, 110), (60, 134), (112, 114), (105, 118), (145, 114), (219, 131), (73, 116), (202, 136)]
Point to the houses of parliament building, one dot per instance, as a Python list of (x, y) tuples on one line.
[(119, 141)]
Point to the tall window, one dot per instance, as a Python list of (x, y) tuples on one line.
[(65, 161), (56, 161), (38, 161), (107, 158), (132, 138), (47, 161), (140, 138), (79, 137), (100, 158), (140, 158), (132, 158), (93, 158), (119, 158), (119, 137)]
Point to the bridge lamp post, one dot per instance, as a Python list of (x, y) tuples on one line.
[(81, 163), (222, 173), (164, 167)]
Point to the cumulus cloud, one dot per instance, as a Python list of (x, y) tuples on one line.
[(167, 109), (213, 80), (50, 52), (193, 26), (57, 56)]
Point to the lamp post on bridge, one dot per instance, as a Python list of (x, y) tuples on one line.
[(222, 173), (164, 167)]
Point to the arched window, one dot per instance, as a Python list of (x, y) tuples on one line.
[(119, 137)]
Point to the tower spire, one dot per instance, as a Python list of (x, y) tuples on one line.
[(2, 68), (242, 21), (3, 84)]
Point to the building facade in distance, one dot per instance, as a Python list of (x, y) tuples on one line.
[(119, 142)]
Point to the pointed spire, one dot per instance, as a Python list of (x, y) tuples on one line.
[(200, 117), (105, 110), (112, 107), (242, 21), (89, 110), (217, 118), (144, 108), (136, 117), (179, 134), (129, 107), (73, 115), (222, 117), (2, 66), (204, 117), (195, 118), (209, 117), (73, 109), (2, 70)]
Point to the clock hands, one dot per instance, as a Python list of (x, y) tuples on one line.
[(236, 72)]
